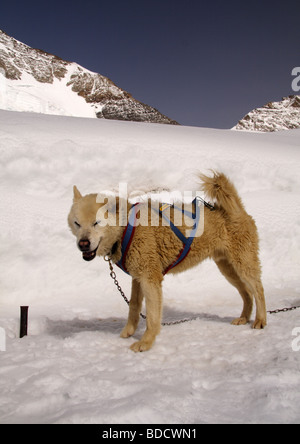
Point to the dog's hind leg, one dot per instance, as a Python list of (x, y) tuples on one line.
[(261, 311), (135, 306), (231, 275), (250, 278), (249, 273), (153, 295)]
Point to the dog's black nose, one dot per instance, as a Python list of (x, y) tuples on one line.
[(84, 245)]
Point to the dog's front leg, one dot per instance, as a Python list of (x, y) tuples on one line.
[(153, 295), (135, 306)]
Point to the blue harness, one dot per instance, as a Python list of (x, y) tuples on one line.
[(186, 241)]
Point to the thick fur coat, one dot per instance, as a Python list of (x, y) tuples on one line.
[(229, 238)]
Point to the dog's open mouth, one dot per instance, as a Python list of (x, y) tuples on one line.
[(90, 255)]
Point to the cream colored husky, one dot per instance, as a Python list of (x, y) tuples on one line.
[(229, 238)]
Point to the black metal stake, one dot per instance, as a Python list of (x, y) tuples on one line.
[(23, 321)]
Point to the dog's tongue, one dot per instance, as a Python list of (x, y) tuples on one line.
[(88, 255)]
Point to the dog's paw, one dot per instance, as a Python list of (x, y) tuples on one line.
[(127, 331), (259, 324), (140, 346), (240, 321)]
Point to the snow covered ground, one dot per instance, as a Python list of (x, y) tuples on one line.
[(27, 94), (73, 367)]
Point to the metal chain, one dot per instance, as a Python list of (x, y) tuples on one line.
[(116, 282), (181, 321), (114, 278), (283, 309)]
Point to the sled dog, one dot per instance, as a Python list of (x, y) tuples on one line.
[(229, 237)]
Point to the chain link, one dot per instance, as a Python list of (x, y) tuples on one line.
[(114, 278), (278, 310), (181, 321)]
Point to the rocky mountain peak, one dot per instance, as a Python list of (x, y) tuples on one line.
[(274, 116), (23, 69), (16, 58)]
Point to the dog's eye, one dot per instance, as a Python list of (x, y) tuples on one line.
[(77, 224), (96, 223)]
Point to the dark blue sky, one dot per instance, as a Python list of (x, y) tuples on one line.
[(202, 63)]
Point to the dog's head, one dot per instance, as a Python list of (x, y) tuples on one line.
[(93, 221)]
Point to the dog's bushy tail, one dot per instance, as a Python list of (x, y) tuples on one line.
[(222, 191)]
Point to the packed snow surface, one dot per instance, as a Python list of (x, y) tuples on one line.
[(27, 94), (73, 367)]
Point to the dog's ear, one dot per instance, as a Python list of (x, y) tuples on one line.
[(77, 194)]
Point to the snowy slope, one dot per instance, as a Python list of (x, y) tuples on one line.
[(73, 367), (33, 80), (27, 94)]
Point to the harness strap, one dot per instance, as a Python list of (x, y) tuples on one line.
[(127, 238), (187, 242), (173, 227)]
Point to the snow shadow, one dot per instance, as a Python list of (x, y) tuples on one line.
[(114, 325), (65, 329), (170, 315)]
